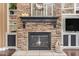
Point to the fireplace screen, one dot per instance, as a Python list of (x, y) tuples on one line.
[(39, 41)]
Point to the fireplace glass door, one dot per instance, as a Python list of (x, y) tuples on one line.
[(39, 41)]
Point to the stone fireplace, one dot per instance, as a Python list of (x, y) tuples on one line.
[(38, 33)]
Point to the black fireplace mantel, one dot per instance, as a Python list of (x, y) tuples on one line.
[(41, 17), (25, 19)]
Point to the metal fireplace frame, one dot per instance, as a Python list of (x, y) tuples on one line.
[(40, 33)]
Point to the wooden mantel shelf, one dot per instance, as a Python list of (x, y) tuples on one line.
[(49, 17), (25, 19)]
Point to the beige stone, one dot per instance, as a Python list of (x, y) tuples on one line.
[(22, 34)]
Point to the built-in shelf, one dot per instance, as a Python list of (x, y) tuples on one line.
[(12, 20), (70, 8)]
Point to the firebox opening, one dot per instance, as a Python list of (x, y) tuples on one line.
[(39, 41)]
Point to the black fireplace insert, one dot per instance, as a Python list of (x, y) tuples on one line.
[(39, 40)]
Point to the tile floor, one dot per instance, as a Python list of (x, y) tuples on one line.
[(38, 53)]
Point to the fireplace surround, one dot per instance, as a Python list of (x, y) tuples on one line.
[(41, 26)]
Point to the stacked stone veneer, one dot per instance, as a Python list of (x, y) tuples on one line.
[(22, 33)]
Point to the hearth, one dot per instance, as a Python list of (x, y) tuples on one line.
[(39, 40)]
